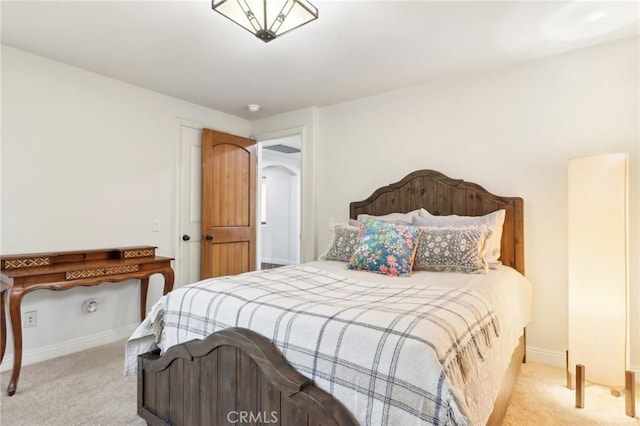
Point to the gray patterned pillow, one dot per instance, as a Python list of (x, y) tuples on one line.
[(452, 249), (494, 221), (344, 243)]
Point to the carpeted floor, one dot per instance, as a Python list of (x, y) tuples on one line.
[(542, 398), (88, 388), (85, 388)]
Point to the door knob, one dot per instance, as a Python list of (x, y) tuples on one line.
[(186, 237), (208, 237)]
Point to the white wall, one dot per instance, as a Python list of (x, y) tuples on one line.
[(280, 236), (512, 131), (87, 162)]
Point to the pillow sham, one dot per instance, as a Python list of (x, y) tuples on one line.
[(493, 221), (393, 217), (385, 248), (452, 249), (343, 243)]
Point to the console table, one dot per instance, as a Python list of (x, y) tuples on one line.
[(24, 273)]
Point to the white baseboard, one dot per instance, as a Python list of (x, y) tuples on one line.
[(556, 358), (68, 347), (546, 356), (277, 261)]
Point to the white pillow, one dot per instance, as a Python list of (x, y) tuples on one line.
[(394, 217), (494, 221)]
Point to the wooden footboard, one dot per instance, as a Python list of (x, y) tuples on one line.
[(234, 376)]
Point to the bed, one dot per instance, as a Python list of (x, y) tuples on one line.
[(245, 371)]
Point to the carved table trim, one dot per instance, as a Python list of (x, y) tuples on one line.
[(22, 274)]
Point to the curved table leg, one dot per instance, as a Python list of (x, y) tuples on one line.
[(15, 298), (168, 275), (3, 325), (168, 280), (144, 288)]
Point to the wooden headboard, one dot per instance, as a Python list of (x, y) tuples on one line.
[(441, 195)]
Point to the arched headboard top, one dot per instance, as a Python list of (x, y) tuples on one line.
[(441, 195)]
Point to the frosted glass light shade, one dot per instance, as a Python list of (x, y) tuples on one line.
[(597, 256), (267, 19)]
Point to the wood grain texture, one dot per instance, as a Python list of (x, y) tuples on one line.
[(208, 384), (580, 385), (441, 195), (69, 269), (228, 204), (630, 393), (241, 374)]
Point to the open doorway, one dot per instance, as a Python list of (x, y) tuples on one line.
[(279, 201), (283, 159)]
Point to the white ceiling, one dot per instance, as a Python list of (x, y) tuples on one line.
[(355, 49)]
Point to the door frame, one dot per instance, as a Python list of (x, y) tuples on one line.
[(307, 218)]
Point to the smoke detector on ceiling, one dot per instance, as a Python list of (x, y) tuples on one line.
[(253, 107)]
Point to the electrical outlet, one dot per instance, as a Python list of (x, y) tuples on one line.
[(89, 306), (29, 319)]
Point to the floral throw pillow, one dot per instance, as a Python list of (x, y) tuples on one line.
[(453, 249), (344, 243), (385, 248)]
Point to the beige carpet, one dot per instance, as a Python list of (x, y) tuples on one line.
[(85, 388), (541, 398), (88, 388)]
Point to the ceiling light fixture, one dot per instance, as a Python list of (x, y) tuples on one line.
[(267, 19)]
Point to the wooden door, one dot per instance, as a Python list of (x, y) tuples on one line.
[(228, 204)]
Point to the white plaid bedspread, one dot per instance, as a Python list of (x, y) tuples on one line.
[(390, 353)]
